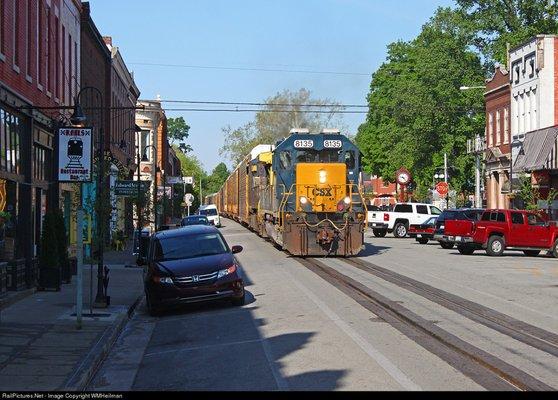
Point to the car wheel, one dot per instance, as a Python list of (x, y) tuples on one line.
[(379, 232), (531, 253), (400, 230), (465, 250), (239, 301), (495, 246), (422, 241), (554, 250), (447, 245)]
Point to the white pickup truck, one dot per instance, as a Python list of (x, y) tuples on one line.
[(399, 220)]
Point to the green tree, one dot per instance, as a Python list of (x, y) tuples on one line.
[(178, 131), (417, 112), (497, 22), (217, 178), (282, 112)]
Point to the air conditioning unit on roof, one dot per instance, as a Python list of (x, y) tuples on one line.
[(303, 131), (330, 131)]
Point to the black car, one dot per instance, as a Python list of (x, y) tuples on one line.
[(195, 220), (459, 214), (191, 264)]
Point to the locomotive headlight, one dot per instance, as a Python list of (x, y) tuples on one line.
[(323, 176), (347, 200), (303, 200)]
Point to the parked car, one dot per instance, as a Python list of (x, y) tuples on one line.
[(399, 220), (194, 220), (191, 264), (423, 232), (500, 230), (212, 214), (459, 214)]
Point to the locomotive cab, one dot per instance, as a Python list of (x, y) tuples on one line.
[(320, 208)]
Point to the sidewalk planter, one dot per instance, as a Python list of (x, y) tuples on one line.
[(16, 275), (3, 279), (73, 265), (31, 273), (49, 279)]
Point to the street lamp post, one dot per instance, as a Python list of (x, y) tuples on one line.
[(78, 118)]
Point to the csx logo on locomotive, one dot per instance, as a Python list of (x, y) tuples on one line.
[(324, 192)]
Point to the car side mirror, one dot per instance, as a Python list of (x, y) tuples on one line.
[(236, 249)]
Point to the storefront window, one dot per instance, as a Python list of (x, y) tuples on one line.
[(9, 142), (8, 226)]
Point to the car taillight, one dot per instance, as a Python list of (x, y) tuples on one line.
[(386, 217)]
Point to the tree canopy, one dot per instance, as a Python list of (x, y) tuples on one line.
[(178, 131), (417, 111), (282, 112)]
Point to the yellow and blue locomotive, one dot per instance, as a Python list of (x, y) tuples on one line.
[(302, 193)]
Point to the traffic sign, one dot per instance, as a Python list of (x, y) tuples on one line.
[(173, 180), (442, 188), (188, 180)]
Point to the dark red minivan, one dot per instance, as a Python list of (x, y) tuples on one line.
[(191, 264)]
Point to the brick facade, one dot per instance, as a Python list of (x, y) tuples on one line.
[(498, 138)]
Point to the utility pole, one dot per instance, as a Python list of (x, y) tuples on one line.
[(201, 202), (478, 200), (446, 177)]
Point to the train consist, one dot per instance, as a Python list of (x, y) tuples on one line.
[(302, 193)]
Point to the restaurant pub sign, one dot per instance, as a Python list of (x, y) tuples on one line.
[(75, 154)]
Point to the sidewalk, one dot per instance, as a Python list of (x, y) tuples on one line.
[(40, 347), (125, 257)]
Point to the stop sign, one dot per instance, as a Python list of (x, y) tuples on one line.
[(442, 188)]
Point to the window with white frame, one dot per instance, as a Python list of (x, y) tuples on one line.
[(490, 129), (498, 133), (506, 126)]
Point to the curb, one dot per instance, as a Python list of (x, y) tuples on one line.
[(97, 354), (17, 296)]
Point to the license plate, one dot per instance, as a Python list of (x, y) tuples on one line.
[(419, 236), (458, 238)]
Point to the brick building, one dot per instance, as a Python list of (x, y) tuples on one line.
[(153, 143), (534, 112), (124, 94), (378, 192), (498, 139), (39, 53)]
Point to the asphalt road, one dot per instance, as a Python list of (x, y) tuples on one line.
[(301, 332)]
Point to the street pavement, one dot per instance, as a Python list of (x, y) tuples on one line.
[(298, 332), (40, 347)]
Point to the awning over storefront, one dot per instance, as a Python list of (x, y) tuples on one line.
[(538, 149)]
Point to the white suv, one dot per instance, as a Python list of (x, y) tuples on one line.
[(212, 214), (399, 220)]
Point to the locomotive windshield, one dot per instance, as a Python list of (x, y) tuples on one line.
[(314, 156)]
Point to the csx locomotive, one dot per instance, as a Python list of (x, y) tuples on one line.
[(303, 193)]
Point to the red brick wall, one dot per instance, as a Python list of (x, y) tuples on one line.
[(555, 81), (14, 42), (498, 100)]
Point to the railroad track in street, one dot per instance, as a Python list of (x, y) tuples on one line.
[(482, 367)]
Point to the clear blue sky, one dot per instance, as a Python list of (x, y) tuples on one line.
[(323, 35)]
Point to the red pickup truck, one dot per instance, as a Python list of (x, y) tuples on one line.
[(500, 230)]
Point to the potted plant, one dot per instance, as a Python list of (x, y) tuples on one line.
[(49, 266), (62, 243)]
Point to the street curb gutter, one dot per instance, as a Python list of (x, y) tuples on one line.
[(17, 296), (82, 376)]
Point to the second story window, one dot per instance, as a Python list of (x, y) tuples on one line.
[(490, 129), (498, 127), (506, 126)]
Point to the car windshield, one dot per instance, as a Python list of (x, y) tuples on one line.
[(189, 246), (195, 221), (431, 221), (209, 211)]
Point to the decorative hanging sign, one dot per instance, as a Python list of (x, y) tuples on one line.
[(75, 154)]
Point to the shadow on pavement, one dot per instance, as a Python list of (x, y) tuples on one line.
[(212, 346), (371, 250)]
